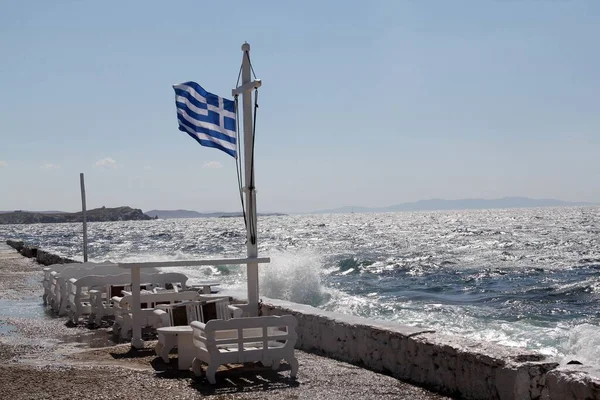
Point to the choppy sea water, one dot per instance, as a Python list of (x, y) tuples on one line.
[(526, 277)]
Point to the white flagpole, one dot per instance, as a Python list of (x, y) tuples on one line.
[(84, 216), (251, 218)]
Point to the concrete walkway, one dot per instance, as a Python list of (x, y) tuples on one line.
[(43, 358)]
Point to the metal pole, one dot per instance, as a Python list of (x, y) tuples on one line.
[(252, 247), (85, 244), (136, 309)]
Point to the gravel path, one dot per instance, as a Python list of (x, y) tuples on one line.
[(43, 358)]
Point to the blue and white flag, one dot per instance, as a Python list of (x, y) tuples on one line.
[(206, 117)]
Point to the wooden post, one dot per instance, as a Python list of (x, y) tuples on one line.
[(85, 244)]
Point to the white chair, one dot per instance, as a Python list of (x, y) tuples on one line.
[(78, 297)]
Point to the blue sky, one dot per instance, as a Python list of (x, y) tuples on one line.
[(362, 103)]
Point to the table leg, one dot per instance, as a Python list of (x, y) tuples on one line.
[(185, 351)]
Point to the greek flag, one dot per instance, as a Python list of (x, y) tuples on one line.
[(206, 117)]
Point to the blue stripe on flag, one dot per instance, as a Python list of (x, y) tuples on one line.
[(212, 117), (205, 142), (191, 99)]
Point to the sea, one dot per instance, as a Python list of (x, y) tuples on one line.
[(517, 277)]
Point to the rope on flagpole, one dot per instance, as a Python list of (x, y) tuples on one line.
[(238, 165), (250, 62), (252, 227), (251, 188), (251, 185)]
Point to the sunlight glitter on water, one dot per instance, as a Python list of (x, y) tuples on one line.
[(517, 277)]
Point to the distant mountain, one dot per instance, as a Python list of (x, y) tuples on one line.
[(97, 214), (460, 204), (169, 214)]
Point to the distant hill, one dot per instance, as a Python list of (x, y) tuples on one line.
[(169, 214), (37, 212), (460, 204), (96, 215)]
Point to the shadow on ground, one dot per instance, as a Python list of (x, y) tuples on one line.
[(231, 378), (134, 353)]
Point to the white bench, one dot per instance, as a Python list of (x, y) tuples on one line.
[(175, 330), (266, 339), (46, 283), (78, 289), (103, 303), (124, 318), (59, 280), (185, 313)]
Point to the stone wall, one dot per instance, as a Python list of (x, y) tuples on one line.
[(448, 364)]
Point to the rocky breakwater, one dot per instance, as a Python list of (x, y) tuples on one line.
[(448, 364), (41, 256), (102, 214)]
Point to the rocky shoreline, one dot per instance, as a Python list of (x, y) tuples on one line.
[(102, 214), (42, 257)]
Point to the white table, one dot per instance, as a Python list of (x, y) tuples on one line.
[(180, 337), (203, 287)]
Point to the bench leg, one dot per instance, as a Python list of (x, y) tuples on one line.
[(275, 365), (97, 313), (125, 330), (61, 307), (293, 361), (158, 348), (197, 367), (54, 304), (210, 373), (98, 319)]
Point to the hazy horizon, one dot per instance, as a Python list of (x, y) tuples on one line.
[(369, 106), (343, 206)]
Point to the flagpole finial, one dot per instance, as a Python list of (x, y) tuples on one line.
[(245, 47)]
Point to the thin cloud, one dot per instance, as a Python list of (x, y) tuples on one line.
[(50, 166), (148, 167), (212, 164), (106, 163), (3, 164)]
